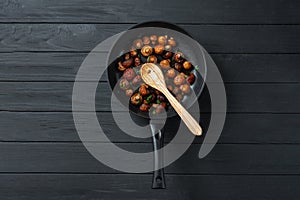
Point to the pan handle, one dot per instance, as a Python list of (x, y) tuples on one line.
[(158, 142)]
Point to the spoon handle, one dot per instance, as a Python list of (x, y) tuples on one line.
[(190, 122)]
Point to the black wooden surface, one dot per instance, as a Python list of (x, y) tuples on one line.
[(256, 46)]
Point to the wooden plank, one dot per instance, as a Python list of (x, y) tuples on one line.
[(233, 67), (204, 11), (115, 187), (258, 68), (84, 37), (224, 159), (59, 126), (57, 96)]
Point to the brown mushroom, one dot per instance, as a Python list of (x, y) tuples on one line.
[(191, 79), (144, 107), (121, 67), (187, 65), (146, 40), (133, 52), (129, 92), (136, 80), (168, 47), (179, 79), (152, 59), (171, 73), (159, 49), (138, 43), (168, 54), (137, 61), (147, 50), (143, 90), (178, 66), (129, 74), (172, 42), (136, 99), (165, 64), (153, 39), (178, 57), (126, 56), (127, 63), (124, 84), (185, 88), (162, 40)]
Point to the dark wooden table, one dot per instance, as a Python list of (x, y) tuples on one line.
[(256, 46)]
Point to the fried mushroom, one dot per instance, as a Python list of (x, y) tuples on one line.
[(179, 79), (165, 64), (153, 39), (191, 79), (121, 67), (138, 43), (146, 40), (172, 42), (143, 90), (129, 92), (168, 54), (178, 66), (185, 88), (137, 61), (187, 65), (136, 99), (124, 84), (147, 51), (129, 74), (178, 57), (127, 63), (136, 80), (171, 73), (159, 49), (152, 59), (162, 40), (144, 107), (133, 52), (168, 47)]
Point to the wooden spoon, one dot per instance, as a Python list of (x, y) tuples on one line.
[(153, 76)]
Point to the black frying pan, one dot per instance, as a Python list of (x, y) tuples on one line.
[(194, 54)]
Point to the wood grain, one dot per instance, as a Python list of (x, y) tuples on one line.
[(112, 187), (224, 159), (233, 67), (84, 37), (59, 127), (56, 96), (114, 11)]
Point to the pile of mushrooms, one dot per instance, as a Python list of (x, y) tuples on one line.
[(176, 68)]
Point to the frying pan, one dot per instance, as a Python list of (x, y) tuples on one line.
[(194, 54)]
